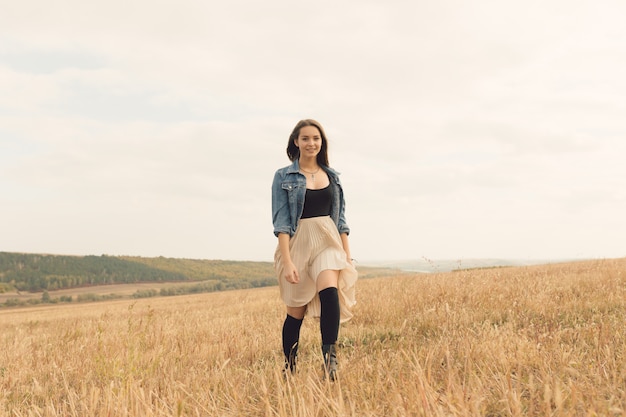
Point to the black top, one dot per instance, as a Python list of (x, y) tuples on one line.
[(317, 202)]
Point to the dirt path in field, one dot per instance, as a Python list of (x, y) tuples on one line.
[(118, 289)]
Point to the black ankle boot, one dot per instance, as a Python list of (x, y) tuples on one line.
[(330, 361), (292, 359)]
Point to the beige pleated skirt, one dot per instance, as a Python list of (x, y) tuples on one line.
[(316, 246)]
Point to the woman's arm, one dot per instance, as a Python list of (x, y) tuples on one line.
[(280, 206), (290, 270), (346, 247)]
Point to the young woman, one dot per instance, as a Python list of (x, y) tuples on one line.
[(315, 272)]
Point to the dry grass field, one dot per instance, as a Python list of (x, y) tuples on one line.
[(529, 341)]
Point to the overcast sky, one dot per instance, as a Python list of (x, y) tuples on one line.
[(482, 129)]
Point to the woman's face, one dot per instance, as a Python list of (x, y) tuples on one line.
[(309, 141)]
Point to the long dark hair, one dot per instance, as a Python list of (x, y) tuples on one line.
[(294, 153)]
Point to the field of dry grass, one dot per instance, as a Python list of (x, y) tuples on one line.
[(542, 340)]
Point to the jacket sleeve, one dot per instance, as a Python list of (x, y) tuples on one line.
[(342, 225), (280, 206)]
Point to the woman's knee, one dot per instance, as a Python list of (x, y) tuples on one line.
[(296, 312), (326, 279)]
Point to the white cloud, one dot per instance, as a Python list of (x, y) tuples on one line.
[(461, 129)]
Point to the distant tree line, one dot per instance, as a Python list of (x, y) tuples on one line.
[(36, 273), (47, 299), (29, 272)]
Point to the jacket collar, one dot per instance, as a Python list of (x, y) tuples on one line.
[(294, 168)]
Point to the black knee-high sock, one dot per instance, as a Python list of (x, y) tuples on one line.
[(329, 318), (291, 335)]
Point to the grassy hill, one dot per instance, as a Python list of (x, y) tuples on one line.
[(35, 278), (36, 272), (547, 340)]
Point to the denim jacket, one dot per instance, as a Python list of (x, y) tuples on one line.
[(288, 192)]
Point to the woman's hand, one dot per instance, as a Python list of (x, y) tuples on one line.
[(291, 273), (346, 247)]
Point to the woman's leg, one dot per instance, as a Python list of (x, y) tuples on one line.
[(329, 318), (296, 312), (291, 335), (326, 279), (329, 300)]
